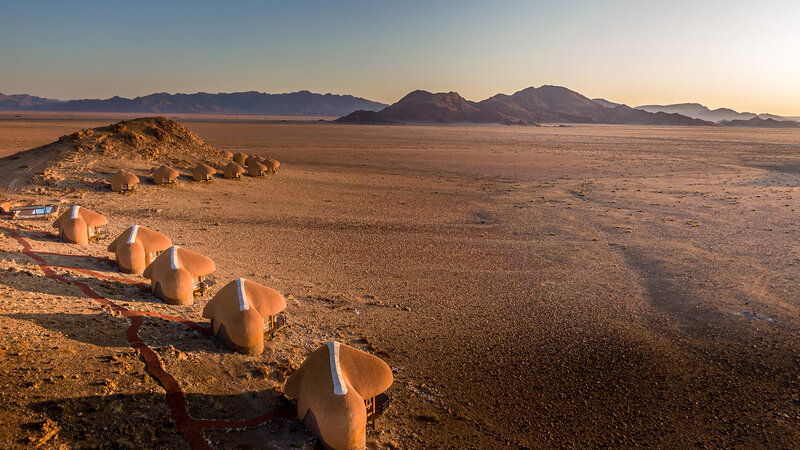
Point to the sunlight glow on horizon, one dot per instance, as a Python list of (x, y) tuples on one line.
[(730, 54)]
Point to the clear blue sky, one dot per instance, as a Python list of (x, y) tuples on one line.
[(739, 54)]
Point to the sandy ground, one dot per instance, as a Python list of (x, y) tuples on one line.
[(530, 287)]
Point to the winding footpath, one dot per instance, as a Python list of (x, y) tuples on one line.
[(191, 428)]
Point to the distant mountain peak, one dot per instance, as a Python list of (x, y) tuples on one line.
[(606, 103)]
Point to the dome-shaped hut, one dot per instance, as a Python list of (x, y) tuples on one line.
[(272, 165), (338, 388), (251, 159), (226, 154), (136, 247), (203, 172), (256, 169), (233, 171), (165, 175), (241, 312), (124, 181), (239, 157), (176, 276), (78, 225)]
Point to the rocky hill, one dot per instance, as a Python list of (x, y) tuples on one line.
[(547, 104), (422, 106), (85, 158)]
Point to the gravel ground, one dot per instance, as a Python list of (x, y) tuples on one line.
[(530, 287)]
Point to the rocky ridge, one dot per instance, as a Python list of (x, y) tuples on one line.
[(85, 158)]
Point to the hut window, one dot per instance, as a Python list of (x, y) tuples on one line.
[(165, 180), (370, 405), (124, 187), (269, 323)]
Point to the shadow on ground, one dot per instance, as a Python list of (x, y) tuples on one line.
[(105, 330), (143, 420)]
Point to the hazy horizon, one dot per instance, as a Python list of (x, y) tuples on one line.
[(721, 54)]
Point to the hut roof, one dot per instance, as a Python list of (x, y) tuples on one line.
[(342, 368), (242, 295), (226, 154), (164, 171), (252, 158), (180, 258), (91, 218), (203, 169), (240, 157), (232, 168), (151, 241), (241, 306), (124, 177), (256, 168)]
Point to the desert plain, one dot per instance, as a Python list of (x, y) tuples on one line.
[(580, 286)]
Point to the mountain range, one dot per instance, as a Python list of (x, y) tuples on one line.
[(302, 103), (758, 122), (546, 104), (702, 112), (531, 106)]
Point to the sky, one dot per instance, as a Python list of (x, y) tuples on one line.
[(739, 54)]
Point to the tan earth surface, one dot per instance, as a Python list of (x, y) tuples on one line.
[(530, 287)]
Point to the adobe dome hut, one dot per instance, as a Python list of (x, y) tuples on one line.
[(137, 247), (272, 165), (165, 175), (78, 225), (256, 169), (241, 312), (338, 388), (203, 172), (239, 157), (226, 154), (176, 276), (253, 158), (233, 171), (123, 181)]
